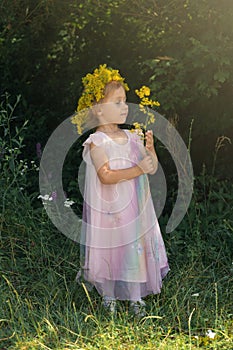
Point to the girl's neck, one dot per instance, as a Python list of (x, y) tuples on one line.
[(109, 128)]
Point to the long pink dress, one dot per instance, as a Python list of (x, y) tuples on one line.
[(123, 253)]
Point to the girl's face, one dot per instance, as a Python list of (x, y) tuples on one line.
[(114, 109)]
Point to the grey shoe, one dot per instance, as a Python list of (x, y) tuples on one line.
[(138, 308), (109, 304)]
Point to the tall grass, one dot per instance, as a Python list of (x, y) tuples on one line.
[(42, 307)]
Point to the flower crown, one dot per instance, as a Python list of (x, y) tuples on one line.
[(94, 85)]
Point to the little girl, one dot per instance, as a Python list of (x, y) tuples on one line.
[(124, 253)]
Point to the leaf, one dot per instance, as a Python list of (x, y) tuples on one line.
[(221, 76), (12, 165)]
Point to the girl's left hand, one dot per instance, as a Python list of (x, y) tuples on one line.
[(149, 140)]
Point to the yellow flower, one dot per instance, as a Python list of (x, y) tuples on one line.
[(144, 91), (145, 101), (78, 119)]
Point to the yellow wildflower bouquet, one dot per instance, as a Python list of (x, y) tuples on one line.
[(94, 85), (143, 93)]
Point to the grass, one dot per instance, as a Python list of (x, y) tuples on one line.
[(42, 307)]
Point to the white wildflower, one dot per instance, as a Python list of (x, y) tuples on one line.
[(210, 334), (46, 197), (68, 203), (195, 295)]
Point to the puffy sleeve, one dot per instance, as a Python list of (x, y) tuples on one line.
[(95, 138)]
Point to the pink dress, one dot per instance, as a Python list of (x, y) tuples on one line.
[(122, 250)]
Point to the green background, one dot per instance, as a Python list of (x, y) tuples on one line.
[(181, 49)]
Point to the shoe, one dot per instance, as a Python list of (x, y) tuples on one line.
[(109, 304), (138, 308)]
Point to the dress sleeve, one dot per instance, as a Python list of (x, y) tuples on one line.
[(95, 138)]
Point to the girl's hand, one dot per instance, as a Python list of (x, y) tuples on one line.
[(150, 150), (149, 141), (146, 165)]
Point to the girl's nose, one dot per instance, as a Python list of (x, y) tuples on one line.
[(124, 105)]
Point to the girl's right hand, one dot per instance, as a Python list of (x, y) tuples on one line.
[(146, 165)]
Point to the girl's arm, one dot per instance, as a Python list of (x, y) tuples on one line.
[(151, 151), (110, 176)]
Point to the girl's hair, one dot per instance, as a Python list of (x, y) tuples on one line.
[(111, 87), (92, 112)]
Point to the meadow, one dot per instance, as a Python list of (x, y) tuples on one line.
[(42, 307)]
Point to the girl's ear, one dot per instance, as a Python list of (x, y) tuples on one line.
[(99, 112), (96, 110)]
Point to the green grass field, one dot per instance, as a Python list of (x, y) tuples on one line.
[(42, 307)]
